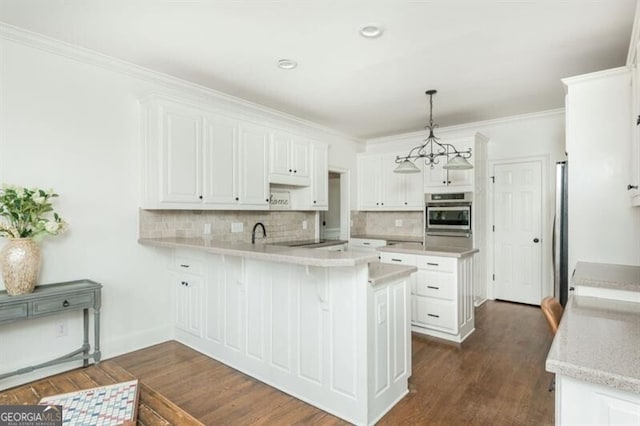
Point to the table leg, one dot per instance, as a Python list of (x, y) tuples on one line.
[(96, 324), (85, 341)]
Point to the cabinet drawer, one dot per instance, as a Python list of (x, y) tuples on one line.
[(188, 265), (367, 242), (12, 312), (398, 258), (435, 263), (435, 313), (62, 303), (435, 284)]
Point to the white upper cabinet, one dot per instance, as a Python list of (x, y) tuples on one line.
[(320, 180), (195, 159), (379, 188), (289, 160), (254, 186), (439, 179), (221, 154), (634, 171), (181, 130)]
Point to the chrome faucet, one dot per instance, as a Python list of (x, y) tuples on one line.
[(253, 232)]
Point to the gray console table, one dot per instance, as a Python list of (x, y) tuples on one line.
[(53, 299)]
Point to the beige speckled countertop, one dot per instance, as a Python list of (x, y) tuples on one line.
[(381, 272), (414, 248), (300, 256), (604, 275), (598, 341)]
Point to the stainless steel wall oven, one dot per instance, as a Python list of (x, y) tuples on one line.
[(448, 214)]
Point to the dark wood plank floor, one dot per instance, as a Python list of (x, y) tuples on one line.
[(496, 377)]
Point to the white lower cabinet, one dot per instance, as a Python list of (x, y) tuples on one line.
[(582, 403), (442, 295), (323, 335), (187, 289)]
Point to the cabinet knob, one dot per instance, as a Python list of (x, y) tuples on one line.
[(295, 171), (314, 201), (536, 240), (630, 187), (65, 304), (267, 200), (237, 198), (200, 197), (290, 170), (405, 203), (377, 204), (448, 182), (444, 181)]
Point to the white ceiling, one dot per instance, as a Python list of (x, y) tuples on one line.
[(486, 58)]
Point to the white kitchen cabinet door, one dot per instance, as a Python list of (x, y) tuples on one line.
[(253, 179), (220, 160), (393, 184), (634, 169), (300, 157), (414, 189), (188, 303), (289, 159), (369, 182), (181, 172), (320, 181)]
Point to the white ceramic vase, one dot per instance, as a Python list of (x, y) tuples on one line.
[(20, 263)]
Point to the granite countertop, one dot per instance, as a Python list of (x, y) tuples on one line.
[(604, 275), (408, 239), (382, 272), (419, 249), (297, 255), (598, 341)]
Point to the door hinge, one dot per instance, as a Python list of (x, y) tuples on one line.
[(494, 277), (493, 179)]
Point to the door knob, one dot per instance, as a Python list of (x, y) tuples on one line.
[(536, 240)]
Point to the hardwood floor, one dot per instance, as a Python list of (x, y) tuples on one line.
[(496, 377)]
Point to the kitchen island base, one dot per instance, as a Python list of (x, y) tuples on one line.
[(322, 334)]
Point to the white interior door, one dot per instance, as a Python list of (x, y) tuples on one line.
[(518, 232)]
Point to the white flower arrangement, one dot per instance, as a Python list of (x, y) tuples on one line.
[(28, 213)]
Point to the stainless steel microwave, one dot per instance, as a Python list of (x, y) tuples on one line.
[(448, 214)]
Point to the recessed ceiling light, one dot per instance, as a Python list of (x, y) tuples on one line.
[(287, 64), (371, 31)]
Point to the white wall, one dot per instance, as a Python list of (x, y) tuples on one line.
[(70, 120), (603, 227)]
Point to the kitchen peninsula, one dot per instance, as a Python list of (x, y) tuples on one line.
[(596, 351), (322, 326)]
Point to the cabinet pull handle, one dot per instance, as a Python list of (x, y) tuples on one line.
[(182, 265), (366, 244), (65, 304), (433, 264), (435, 288), (397, 260), (434, 316)]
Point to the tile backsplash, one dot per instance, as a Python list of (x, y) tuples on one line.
[(384, 223), (280, 225)]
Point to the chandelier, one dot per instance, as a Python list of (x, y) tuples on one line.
[(432, 150)]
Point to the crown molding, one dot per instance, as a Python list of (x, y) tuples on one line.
[(472, 128), (584, 78), (92, 57)]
